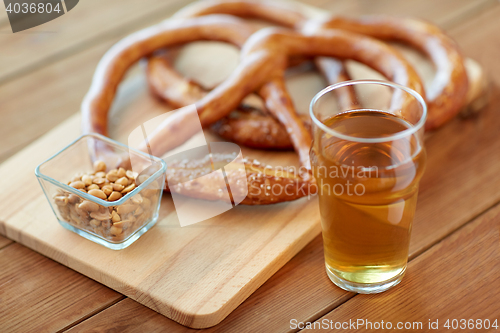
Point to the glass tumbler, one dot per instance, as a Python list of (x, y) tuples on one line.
[(367, 158)]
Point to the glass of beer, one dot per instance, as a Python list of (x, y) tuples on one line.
[(367, 158)]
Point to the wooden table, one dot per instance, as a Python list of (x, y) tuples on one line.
[(454, 269)]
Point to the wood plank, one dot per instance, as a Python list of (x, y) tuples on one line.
[(4, 242), (457, 278), (41, 295), (445, 13), (90, 22), (468, 159), (478, 38), (235, 252), (53, 94), (290, 293)]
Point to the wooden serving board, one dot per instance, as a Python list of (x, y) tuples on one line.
[(195, 275)]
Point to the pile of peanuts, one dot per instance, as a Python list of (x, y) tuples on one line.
[(113, 223)]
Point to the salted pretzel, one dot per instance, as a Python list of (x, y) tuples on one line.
[(447, 92), (246, 125), (264, 59)]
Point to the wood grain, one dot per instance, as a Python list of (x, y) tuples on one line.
[(4, 242), (290, 293), (55, 295), (492, 48), (93, 20), (282, 299), (458, 278), (445, 13), (88, 23), (235, 252), (54, 95), (447, 154), (479, 39)]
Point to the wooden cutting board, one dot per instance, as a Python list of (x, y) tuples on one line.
[(195, 275)]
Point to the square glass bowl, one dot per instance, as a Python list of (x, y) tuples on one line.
[(91, 217)]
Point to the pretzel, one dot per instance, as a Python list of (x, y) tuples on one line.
[(263, 62), (447, 92), (246, 125), (252, 129)]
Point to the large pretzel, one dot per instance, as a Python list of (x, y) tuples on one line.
[(448, 90), (263, 62), (246, 125)]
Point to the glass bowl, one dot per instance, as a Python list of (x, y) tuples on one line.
[(114, 224)]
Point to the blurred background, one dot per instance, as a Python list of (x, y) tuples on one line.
[(45, 71)]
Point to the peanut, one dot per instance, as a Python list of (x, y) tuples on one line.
[(137, 199), (118, 187), (98, 180), (101, 215), (76, 178), (146, 203), (112, 176), (95, 223), (107, 189), (122, 181), (61, 200), (131, 174), (106, 224), (89, 206), (115, 217), (128, 188), (114, 196), (99, 166), (98, 193), (138, 211), (73, 198), (142, 178), (87, 180), (121, 172), (77, 184), (100, 174), (125, 209), (82, 213), (115, 231), (93, 187), (115, 222)]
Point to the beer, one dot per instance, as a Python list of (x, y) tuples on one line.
[(367, 194)]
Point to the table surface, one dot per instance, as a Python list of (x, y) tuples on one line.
[(454, 269)]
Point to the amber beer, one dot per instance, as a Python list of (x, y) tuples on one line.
[(367, 196)]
